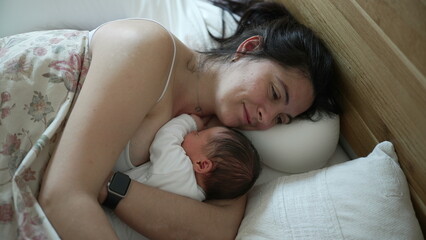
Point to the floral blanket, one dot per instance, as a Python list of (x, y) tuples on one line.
[(41, 74)]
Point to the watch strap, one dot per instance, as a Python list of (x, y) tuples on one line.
[(112, 200)]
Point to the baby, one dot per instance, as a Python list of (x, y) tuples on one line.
[(212, 163)]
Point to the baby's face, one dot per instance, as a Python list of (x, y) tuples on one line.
[(194, 142)]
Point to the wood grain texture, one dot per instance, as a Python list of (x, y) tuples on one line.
[(380, 50), (405, 23)]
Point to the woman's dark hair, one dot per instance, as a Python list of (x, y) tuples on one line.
[(236, 165), (285, 41)]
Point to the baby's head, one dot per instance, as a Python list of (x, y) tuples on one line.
[(225, 162)]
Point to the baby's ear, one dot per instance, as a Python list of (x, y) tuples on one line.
[(203, 165)]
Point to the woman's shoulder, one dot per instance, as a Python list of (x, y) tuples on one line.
[(139, 51), (134, 34)]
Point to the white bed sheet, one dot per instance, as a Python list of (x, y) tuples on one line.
[(184, 18)]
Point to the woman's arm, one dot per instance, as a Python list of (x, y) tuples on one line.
[(124, 71), (163, 215), (159, 214)]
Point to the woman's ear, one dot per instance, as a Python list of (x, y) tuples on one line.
[(251, 44), (203, 165)]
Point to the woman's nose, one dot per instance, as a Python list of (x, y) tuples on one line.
[(264, 116)]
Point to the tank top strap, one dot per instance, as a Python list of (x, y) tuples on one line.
[(171, 67), (91, 33)]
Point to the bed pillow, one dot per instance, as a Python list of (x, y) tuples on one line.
[(298, 147), (366, 198)]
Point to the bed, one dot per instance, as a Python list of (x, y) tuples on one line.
[(364, 174)]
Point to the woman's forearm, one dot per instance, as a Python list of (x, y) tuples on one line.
[(162, 215)]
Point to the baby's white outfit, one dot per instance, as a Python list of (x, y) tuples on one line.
[(169, 168)]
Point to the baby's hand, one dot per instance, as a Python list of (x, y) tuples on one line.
[(212, 122), (198, 121)]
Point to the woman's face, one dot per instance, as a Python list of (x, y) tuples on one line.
[(256, 95)]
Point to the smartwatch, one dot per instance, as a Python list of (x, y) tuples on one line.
[(117, 189)]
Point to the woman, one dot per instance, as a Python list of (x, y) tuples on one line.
[(139, 78)]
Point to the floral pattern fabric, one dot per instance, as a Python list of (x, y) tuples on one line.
[(41, 74)]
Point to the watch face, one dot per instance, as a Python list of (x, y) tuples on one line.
[(119, 183)]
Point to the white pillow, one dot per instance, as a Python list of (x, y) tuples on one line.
[(298, 147), (366, 198)]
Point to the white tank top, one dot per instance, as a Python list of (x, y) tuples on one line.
[(124, 163)]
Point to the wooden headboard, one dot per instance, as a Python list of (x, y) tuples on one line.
[(380, 50)]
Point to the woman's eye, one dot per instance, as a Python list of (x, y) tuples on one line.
[(274, 93)]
